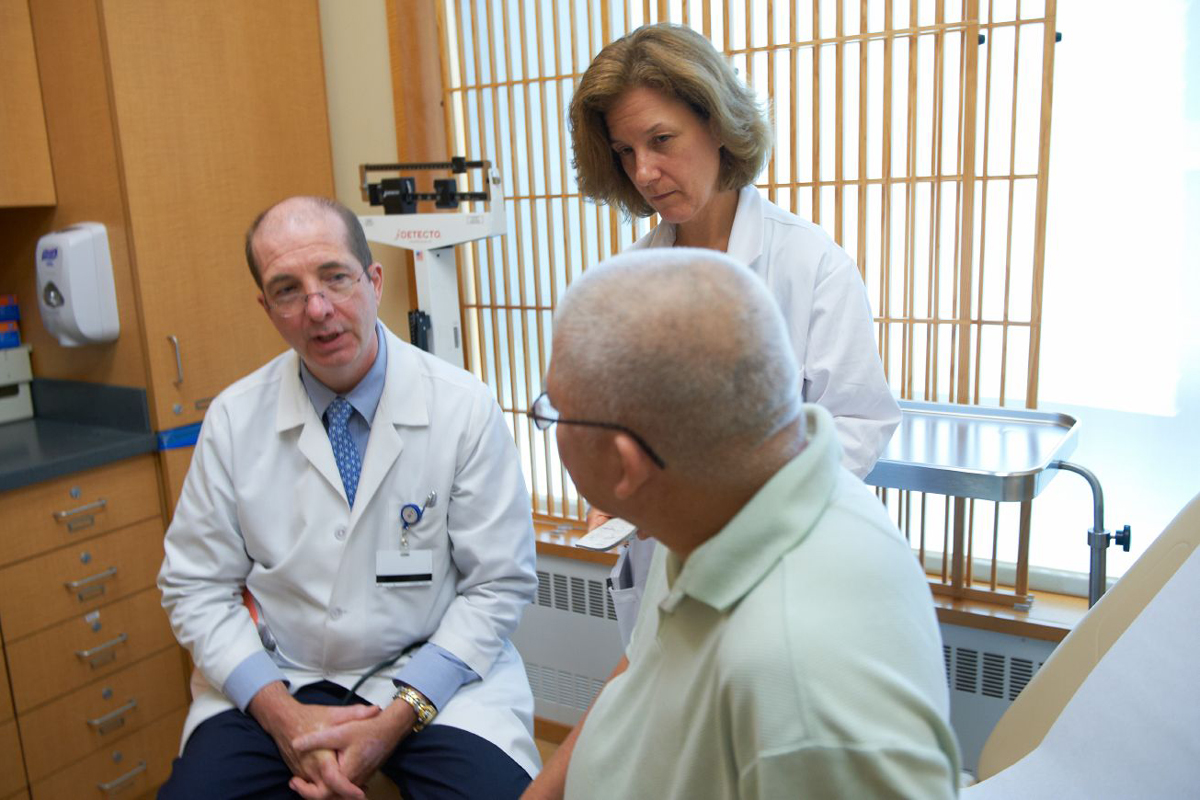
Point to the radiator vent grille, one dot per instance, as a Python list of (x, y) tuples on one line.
[(560, 591), (1019, 673), (562, 687), (966, 670), (578, 596), (574, 594), (989, 674), (993, 675)]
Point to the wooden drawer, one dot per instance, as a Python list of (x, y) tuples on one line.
[(12, 771), (131, 767), (6, 706), (49, 515), (102, 713), (23, 794), (73, 580), (86, 648)]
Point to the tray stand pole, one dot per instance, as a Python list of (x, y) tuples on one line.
[(1098, 538)]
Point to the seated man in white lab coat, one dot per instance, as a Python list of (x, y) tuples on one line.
[(786, 645), (370, 499)]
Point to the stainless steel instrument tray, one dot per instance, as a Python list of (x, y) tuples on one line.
[(974, 451)]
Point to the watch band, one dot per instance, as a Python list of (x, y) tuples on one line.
[(421, 706)]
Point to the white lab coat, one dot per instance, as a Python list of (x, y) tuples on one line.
[(263, 506), (828, 318)]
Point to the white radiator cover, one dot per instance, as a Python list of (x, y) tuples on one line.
[(570, 644)]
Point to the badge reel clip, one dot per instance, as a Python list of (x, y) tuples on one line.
[(396, 569), (411, 514)]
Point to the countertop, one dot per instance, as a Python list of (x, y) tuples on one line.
[(76, 426)]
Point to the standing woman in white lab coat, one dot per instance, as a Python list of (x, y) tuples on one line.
[(661, 124)]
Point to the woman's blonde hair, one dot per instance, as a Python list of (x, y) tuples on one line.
[(676, 60)]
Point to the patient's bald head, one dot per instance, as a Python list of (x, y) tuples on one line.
[(682, 345)]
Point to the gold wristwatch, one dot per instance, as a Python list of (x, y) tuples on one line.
[(421, 706)]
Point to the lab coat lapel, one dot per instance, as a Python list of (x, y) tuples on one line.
[(746, 236), (295, 409), (401, 404)]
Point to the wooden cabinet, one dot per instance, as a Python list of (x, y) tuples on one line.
[(140, 763), (197, 116), (25, 175), (12, 770), (70, 510), (6, 706), (87, 649), (62, 732), (75, 580), (221, 111)]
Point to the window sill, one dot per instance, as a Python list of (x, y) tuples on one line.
[(1050, 619)]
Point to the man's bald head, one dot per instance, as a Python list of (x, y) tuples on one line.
[(302, 209), (682, 345)]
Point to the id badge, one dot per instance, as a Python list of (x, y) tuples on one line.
[(397, 569)]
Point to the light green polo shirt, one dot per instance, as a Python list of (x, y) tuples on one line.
[(794, 654)]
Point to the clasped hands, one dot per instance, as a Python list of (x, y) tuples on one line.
[(332, 751)]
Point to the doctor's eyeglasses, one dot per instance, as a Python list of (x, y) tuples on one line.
[(544, 414), (288, 299)]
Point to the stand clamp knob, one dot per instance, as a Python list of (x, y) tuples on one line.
[(1122, 538)]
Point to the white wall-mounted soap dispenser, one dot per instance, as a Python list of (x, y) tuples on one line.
[(76, 294)]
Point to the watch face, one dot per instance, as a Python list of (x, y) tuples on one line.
[(410, 514)]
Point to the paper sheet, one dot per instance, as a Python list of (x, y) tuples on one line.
[(1133, 727)]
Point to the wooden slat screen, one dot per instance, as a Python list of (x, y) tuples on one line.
[(917, 133)]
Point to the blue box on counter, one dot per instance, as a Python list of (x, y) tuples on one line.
[(9, 310), (10, 335)]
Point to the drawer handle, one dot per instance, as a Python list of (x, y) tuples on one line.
[(117, 784), (113, 719), (101, 654), (99, 505), (91, 586)]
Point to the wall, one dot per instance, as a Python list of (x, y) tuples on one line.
[(358, 82)]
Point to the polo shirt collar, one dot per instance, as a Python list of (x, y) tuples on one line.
[(725, 568)]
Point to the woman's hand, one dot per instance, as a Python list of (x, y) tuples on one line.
[(596, 518)]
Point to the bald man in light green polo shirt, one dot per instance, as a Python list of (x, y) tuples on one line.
[(786, 644)]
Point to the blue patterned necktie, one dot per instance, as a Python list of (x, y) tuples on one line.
[(344, 452)]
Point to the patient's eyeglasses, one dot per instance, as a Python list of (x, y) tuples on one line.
[(544, 414), (288, 299)]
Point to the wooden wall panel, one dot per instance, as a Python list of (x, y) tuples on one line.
[(414, 45), (207, 141), (25, 175)]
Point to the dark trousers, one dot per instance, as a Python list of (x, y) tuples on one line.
[(231, 756)]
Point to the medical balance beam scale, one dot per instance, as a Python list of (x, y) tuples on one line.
[(436, 325)]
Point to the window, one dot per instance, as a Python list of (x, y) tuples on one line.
[(917, 133), (1120, 345)]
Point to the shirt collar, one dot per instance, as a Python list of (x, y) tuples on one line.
[(364, 397), (745, 237), (726, 567)]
